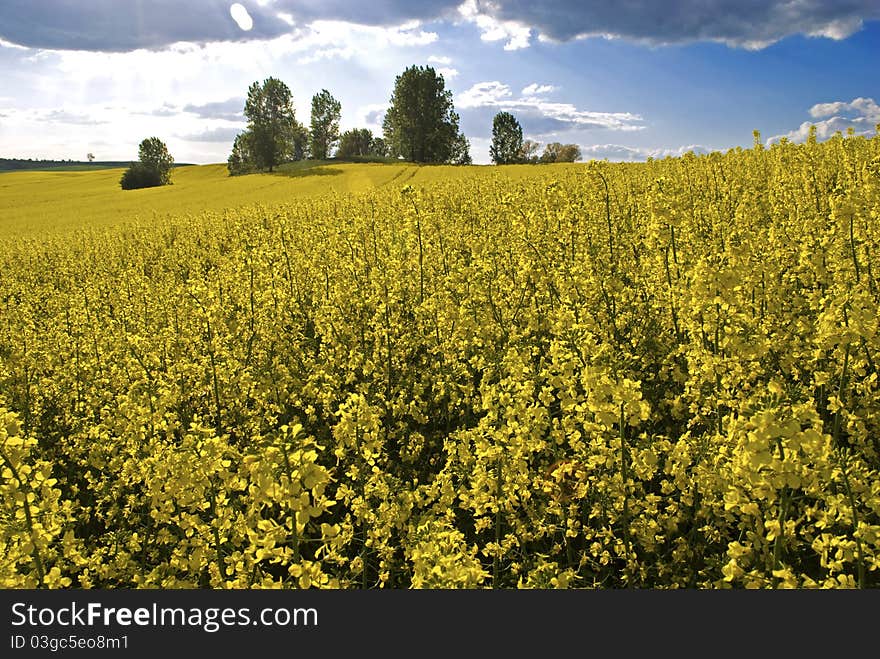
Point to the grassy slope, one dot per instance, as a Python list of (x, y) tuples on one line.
[(39, 201)]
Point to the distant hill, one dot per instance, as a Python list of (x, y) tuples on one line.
[(32, 202), (22, 164)]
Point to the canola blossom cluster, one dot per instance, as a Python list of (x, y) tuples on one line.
[(653, 375)]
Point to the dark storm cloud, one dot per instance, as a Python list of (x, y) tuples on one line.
[(231, 109), (124, 25), (376, 12), (751, 23)]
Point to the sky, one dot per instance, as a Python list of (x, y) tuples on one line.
[(624, 80)]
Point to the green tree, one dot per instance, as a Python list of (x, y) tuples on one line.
[(421, 124), (461, 151), (137, 176), (355, 142), (271, 123), (507, 139), (152, 169), (326, 112), (241, 159), (556, 152), (569, 153), (154, 155), (378, 147), (529, 151), (300, 145)]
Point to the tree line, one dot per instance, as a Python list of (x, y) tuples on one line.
[(11, 164), (421, 125)]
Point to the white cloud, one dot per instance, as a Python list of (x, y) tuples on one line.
[(9, 44), (448, 73), (838, 29), (863, 106), (438, 59), (333, 52), (72, 130), (860, 114), (196, 75), (482, 94), (175, 91), (492, 29), (621, 153), (544, 117), (537, 90), (321, 39)]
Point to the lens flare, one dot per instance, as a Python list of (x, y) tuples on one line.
[(241, 16)]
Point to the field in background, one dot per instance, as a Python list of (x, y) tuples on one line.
[(35, 202)]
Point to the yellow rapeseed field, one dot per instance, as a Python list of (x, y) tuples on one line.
[(655, 375), (40, 202)]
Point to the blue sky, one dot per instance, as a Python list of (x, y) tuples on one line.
[(623, 80)]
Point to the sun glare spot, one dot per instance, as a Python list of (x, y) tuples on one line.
[(241, 16)]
